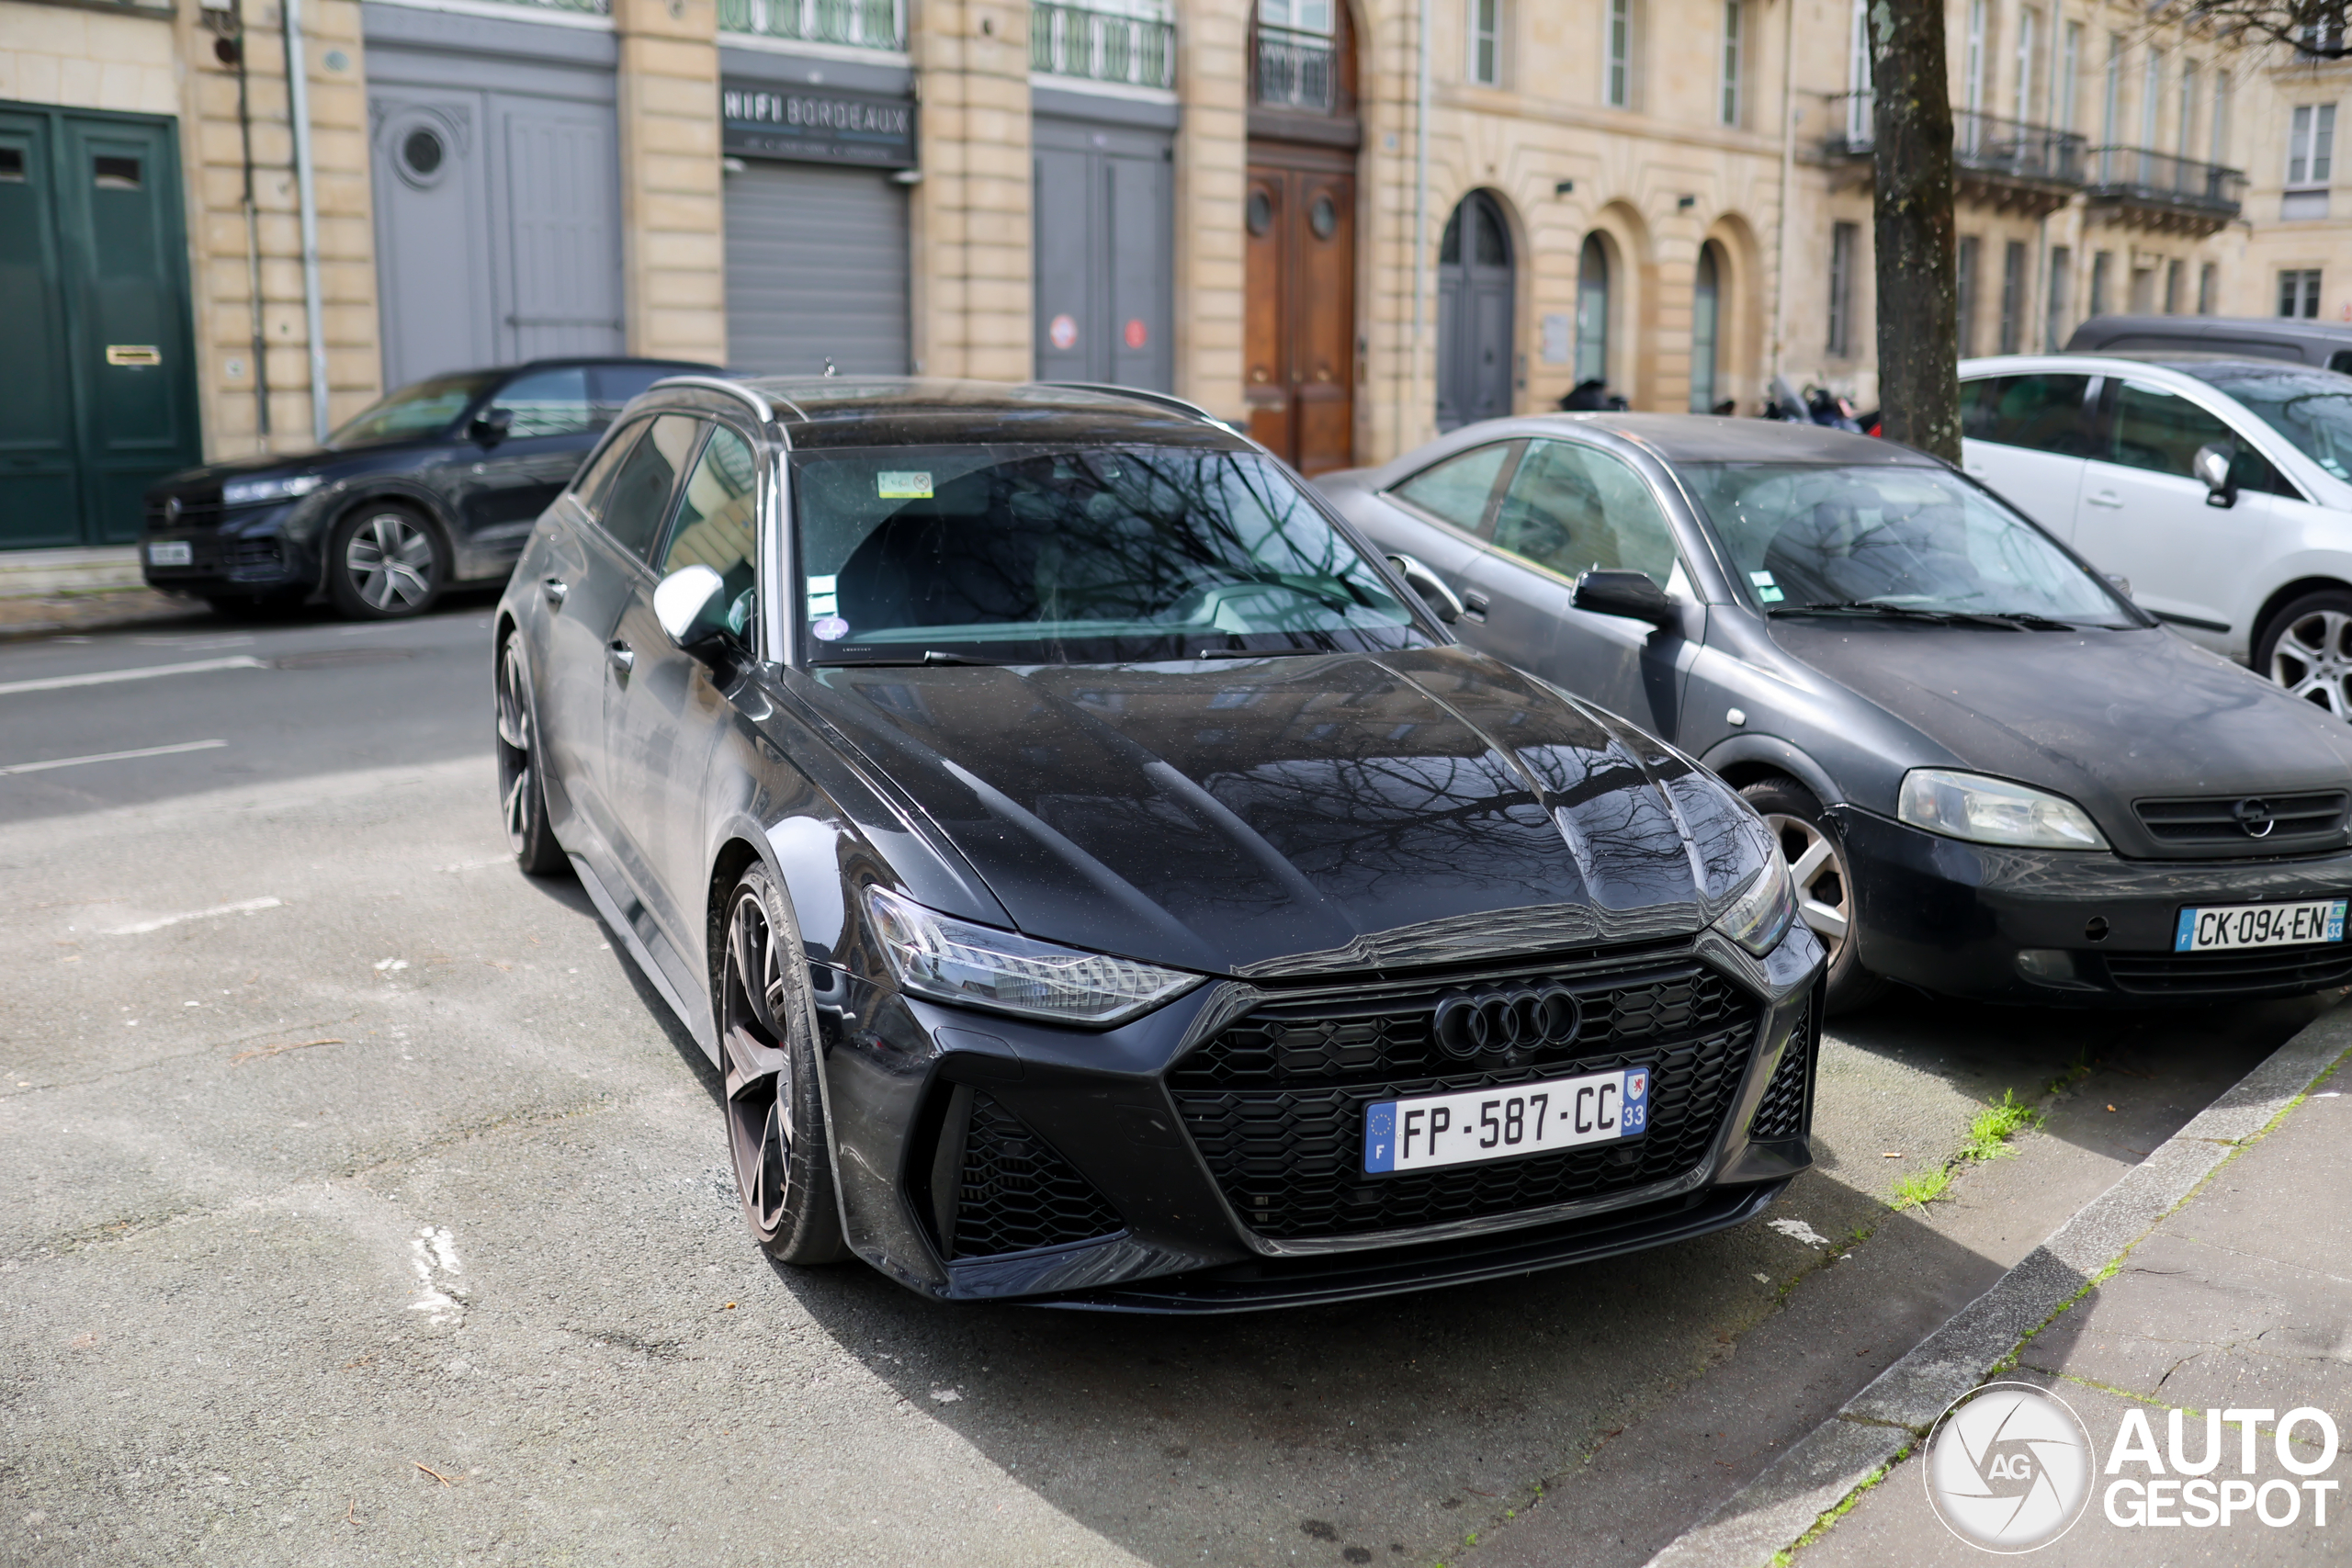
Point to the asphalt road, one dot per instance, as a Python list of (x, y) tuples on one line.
[(365, 1207)]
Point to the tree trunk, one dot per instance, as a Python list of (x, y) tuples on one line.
[(1919, 290)]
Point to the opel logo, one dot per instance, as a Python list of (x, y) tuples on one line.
[(2254, 815), (1470, 1024)]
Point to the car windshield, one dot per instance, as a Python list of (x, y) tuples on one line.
[(1900, 539), (2310, 407), (422, 409), (1017, 553)]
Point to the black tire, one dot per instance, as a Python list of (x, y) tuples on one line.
[(386, 562), (2307, 649), (521, 795), (1824, 886), (774, 1108)]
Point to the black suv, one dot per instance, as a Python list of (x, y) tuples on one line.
[(437, 483)]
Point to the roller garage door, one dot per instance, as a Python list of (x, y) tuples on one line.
[(816, 269)]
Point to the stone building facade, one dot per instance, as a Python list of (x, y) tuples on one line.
[(1351, 222)]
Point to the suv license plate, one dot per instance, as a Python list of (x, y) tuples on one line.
[(2214, 929), (1481, 1124), (170, 552)]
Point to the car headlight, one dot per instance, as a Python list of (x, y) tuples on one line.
[(245, 492), (1760, 916), (1994, 811), (953, 961)]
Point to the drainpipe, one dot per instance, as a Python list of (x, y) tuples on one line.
[(298, 106), (252, 248), (1788, 165), (1421, 205)]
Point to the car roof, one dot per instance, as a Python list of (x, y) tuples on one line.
[(913, 411), (2201, 368), (2095, 333), (1707, 438)]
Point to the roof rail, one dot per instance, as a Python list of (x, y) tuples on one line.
[(717, 384), (1164, 400)]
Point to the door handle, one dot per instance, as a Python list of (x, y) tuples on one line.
[(2105, 497), (1474, 606), (621, 656), (554, 587)]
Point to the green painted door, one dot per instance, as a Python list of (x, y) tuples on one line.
[(98, 401)]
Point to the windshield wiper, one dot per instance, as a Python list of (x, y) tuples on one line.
[(2002, 622)]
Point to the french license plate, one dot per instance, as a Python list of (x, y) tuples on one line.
[(170, 552), (1479, 1125), (2213, 929)]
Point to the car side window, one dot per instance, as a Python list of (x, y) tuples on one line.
[(546, 402), (639, 501), (1459, 488), (718, 518), (1572, 508), (2161, 430), (595, 482), (614, 385), (2040, 412)]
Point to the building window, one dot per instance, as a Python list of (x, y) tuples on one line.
[(2054, 325), (2299, 293), (2110, 108), (1297, 55), (1845, 240), (1592, 312), (2187, 130), (2070, 65), (1974, 82), (1858, 79), (2175, 270), (2311, 145), (1732, 106), (2151, 87), (1706, 328), (2029, 40), (2102, 281), (2208, 277), (1617, 74), (2221, 153), (1964, 292), (2013, 287), (1486, 41)]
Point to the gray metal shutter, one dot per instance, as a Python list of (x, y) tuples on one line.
[(1105, 253), (816, 270)]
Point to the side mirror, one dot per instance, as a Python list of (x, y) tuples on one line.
[(691, 604), (1443, 603), (492, 426), (2212, 464), (1629, 593)]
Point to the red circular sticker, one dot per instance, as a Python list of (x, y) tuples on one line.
[(1136, 334), (1063, 330)]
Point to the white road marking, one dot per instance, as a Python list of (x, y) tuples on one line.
[(111, 757), (246, 907), (145, 673)]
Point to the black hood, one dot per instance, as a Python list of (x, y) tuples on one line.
[(2103, 718), (1348, 811)]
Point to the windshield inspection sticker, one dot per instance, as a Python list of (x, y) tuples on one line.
[(832, 628), (896, 485), (822, 598), (1765, 589)]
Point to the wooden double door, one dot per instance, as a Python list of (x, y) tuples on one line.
[(1300, 321)]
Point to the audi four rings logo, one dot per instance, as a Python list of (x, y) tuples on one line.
[(1497, 1022), (2254, 815)]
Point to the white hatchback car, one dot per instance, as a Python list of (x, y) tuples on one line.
[(2222, 488)]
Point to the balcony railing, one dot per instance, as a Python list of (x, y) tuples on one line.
[(1295, 70), (1981, 143), (861, 24), (2144, 177), (1136, 51)]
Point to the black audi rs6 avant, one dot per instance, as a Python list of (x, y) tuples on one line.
[(1100, 879)]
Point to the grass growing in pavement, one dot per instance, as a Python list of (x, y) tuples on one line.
[(1988, 1139)]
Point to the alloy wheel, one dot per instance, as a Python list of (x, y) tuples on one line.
[(755, 1040), (1824, 889), (514, 781), (2312, 660), (390, 559)]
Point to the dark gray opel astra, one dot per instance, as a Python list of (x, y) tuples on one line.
[(1099, 880)]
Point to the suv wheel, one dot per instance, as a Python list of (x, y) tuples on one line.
[(2307, 649), (386, 562), (1825, 884)]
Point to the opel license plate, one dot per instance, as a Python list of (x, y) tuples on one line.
[(2215, 929), (1480, 1124)]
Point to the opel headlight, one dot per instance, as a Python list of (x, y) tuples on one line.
[(953, 961), (1760, 916), (1994, 811), (246, 492)]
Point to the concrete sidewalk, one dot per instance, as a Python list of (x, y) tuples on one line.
[(2216, 1277), (45, 593)]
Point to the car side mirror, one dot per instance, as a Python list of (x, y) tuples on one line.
[(1631, 593), (2213, 465), (1442, 601), (691, 604), (490, 428)]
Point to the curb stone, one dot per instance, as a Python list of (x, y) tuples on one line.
[(1897, 1409)]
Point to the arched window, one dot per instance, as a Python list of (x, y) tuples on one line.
[(1473, 315), (1592, 312), (1706, 328)]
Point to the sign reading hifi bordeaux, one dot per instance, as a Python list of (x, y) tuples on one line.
[(822, 125)]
